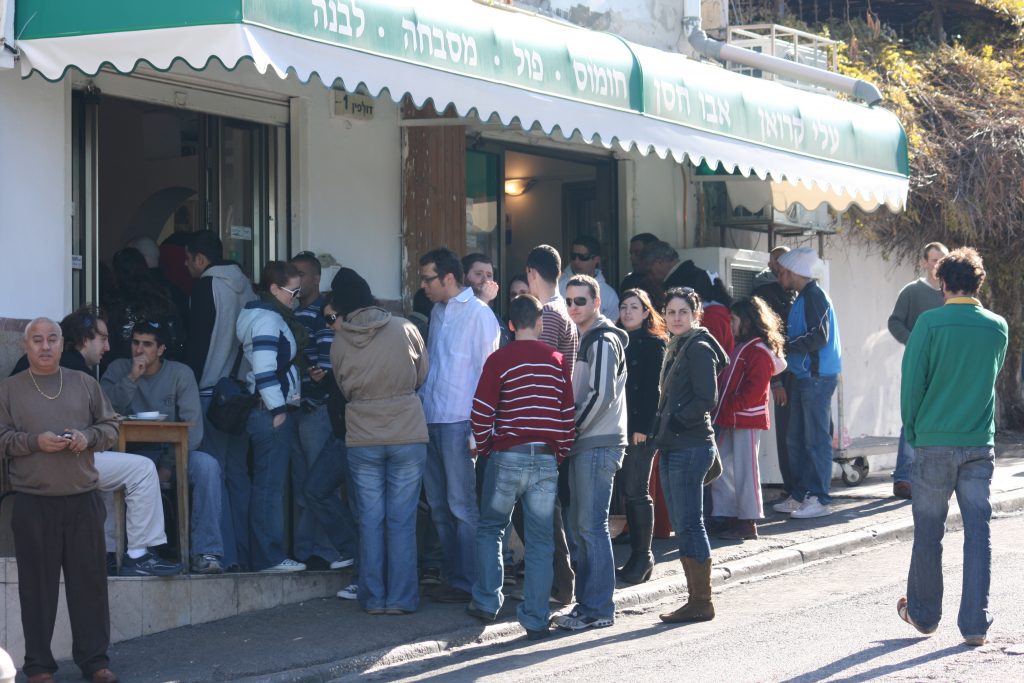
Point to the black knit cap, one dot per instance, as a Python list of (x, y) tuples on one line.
[(350, 292)]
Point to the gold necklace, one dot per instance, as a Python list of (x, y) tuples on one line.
[(60, 372)]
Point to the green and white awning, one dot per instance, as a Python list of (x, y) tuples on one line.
[(489, 62)]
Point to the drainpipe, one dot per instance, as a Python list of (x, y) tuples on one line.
[(723, 52)]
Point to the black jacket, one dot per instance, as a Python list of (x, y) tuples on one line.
[(689, 391), (644, 357)]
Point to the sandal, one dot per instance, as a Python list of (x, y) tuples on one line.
[(903, 611)]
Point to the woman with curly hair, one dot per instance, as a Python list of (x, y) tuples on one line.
[(743, 412), (644, 355)]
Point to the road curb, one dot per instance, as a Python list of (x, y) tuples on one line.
[(634, 597)]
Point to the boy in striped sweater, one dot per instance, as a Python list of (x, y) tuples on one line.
[(523, 419)]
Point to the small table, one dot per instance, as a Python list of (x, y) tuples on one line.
[(157, 431)]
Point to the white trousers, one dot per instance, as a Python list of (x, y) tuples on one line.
[(737, 493), (144, 519)]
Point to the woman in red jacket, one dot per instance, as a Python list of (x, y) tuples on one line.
[(742, 412)]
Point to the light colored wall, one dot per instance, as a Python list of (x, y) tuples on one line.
[(35, 220)]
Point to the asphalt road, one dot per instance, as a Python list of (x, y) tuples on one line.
[(831, 621)]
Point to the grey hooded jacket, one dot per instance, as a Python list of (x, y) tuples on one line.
[(599, 386)]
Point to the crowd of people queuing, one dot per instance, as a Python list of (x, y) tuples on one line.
[(530, 422)]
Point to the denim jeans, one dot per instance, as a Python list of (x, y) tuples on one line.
[(206, 484), (682, 483), (231, 451), (935, 474), (387, 482), (271, 450), (329, 473), (533, 479), (591, 473), (904, 459), (810, 439), (450, 484), (311, 535)]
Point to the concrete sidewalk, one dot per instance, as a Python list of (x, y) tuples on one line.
[(322, 639)]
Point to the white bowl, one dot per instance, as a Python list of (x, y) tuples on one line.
[(148, 415)]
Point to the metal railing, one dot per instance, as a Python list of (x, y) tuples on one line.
[(785, 43)]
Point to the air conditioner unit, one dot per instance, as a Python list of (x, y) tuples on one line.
[(736, 267)]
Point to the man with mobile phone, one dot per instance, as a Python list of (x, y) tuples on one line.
[(52, 421)]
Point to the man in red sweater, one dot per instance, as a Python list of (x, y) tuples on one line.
[(523, 419)]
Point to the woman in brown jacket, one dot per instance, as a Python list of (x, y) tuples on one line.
[(379, 361)]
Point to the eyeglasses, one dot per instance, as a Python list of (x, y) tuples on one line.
[(294, 292), (331, 318), (576, 301), (585, 256), (427, 279)]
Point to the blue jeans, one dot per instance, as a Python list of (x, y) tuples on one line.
[(510, 477), (682, 474), (387, 482), (231, 452), (450, 484), (935, 474), (904, 459), (328, 474), (311, 534), (271, 450), (206, 483), (591, 474), (810, 439)]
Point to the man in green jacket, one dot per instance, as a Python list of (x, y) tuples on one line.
[(953, 356)]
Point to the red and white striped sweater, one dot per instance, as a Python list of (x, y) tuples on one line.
[(524, 396)]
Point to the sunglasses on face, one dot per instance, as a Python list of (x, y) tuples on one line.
[(294, 292), (577, 256), (576, 301), (331, 318)]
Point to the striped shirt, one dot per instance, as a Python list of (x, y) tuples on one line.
[(317, 351), (524, 396), (560, 331)]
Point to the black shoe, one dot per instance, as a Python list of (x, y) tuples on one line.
[(538, 635), (430, 576), (111, 564), (453, 595), (475, 611), (315, 563), (148, 565)]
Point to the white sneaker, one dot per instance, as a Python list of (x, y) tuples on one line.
[(349, 592), (342, 563), (286, 565), (811, 508), (787, 506)]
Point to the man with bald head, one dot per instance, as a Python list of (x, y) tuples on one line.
[(52, 420)]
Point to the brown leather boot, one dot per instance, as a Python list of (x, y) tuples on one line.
[(698, 582)]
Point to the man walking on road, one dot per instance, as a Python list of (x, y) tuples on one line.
[(919, 296), (813, 350), (599, 388), (523, 421), (948, 400), (463, 333)]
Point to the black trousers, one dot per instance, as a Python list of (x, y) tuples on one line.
[(781, 431), (636, 474), (52, 533)]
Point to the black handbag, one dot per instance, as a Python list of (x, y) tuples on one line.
[(231, 404)]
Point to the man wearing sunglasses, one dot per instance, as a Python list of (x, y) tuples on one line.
[(599, 388), (463, 333), (585, 259)]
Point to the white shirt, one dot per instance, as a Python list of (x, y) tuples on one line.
[(609, 299), (463, 333)]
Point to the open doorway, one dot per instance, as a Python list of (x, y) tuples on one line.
[(144, 170)]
